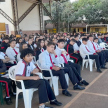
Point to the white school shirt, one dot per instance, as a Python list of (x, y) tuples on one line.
[(97, 46), (2, 55), (20, 68), (83, 50), (76, 47), (60, 59), (11, 54), (17, 45), (90, 45), (44, 60)]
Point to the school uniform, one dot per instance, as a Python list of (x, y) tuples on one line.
[(69, 48), (72, 69), (38, 52), (93, 50), (78, 43), (47, 61), (12, 54), (31, 47), (84, 49), (106, 39), (44, 89), (4, 46), (10, 84), (76, 47), (105, 52)]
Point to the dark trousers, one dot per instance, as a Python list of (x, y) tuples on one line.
[(11, 85), (60, 74), (96, 57), (44, 89), (73, 72), (101, 58)]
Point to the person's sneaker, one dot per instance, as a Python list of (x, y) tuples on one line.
[(55, 102), (84, 83), (77, 87), (8, 101), (66, 93), (98, 70), (103, 67)]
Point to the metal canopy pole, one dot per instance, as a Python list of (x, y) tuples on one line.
[(41, 17)]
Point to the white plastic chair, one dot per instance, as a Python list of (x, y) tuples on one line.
[(34, 60), (27, 93), (53, 79), (90, 61)]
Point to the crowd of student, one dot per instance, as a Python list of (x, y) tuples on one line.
[(50, 50)]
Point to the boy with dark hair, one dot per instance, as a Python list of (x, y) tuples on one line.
[(5, 44), (72, 69), (47, 60), (12, 52), (73, 53), (84, 49), (24, 73)]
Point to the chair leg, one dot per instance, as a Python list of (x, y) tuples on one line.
[(91, 66), (55, 86), (83, 64), (17, 94), (67, 79), (86, 64), (51, 82)]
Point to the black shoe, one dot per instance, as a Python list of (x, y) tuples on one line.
[(8, 101), (66, 93), (80, 83), (103, 67), (77, 87), (85, 83), (55, 103), (47, 107), (98, 70)]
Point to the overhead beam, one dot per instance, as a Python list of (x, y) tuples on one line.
[(6, 16), (28, 11)]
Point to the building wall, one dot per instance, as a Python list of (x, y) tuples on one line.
[(7, 8), (31, 23), (101, 29)]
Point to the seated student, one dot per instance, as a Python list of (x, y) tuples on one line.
[(72, 69), (106, 37), (73, 53), (99, 39), (44, 89), (10, 85), (18, 41), (30, 44), (84, 49), (46, 60), (5, 44), (92, 48), (45, 45), (76, 37), (23, 45), (40, 48), (25, 38), (98, 48), (102, 38), (12, 52)]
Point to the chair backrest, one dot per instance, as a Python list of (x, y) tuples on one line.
[(38, 64), (102, 45), (11, 72)]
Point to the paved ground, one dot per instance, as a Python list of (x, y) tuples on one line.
[(94, 96)]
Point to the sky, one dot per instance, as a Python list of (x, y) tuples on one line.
[(72, 1)]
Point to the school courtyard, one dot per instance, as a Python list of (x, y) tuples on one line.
[(94, 96)]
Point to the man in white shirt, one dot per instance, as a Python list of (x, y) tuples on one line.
[(84, 49), (47, 60), (24, 73), (92, 48), (12, 52), (72, 69)]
